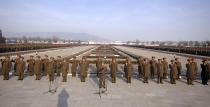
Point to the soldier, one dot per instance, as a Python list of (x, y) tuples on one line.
[(146, 70), (86, 67), (179, 67), (102, 76), (173, 72), (51, 72), (160, 71), (114, 69), (140, 67), (15, 65), (190, 72), (20, 68), (98, 65), (153, 64), (51, 69), (129, 70), (58, 65), (64, 69), (31, 62), (74, 67), (125, 67), (83, 70), (205, 72), (6, 67), (195, 68), (165, 68), (38, 68), (44, 65)]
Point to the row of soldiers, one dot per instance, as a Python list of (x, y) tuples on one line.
[(146, 68)]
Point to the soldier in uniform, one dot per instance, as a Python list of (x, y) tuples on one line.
[(146, 70), (195, 68), (58, 65), (140, 67), (44, 65), (83, 70), (20, 68), (31, 62), (179, 67), (173, 72), (6, 67), (153, 64), (129, 70), (205, 66), (38, 67), (15, 65), (64, 69), (190, 72), (98, 65), (74, 67), (125, 67), (86, 67), (102, 76), (165, 68), (160, 71), (51, 71), (114, 69)]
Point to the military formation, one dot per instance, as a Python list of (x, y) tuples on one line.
[(52, 67)]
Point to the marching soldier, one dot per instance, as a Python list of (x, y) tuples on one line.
[(190, 72), (114, 69), (58, 65), (165, 68), (179, 67), (6, 67), (195, 68), (173, 72), (44, 65), (20, 68), (74, 67), (38, 68), (140, 67), (64, 69), (102, 76), (98, 65), (153, 64), (83, 70), (31, 62), (160, 71), (129, 70), (205, 72), (146, 70)]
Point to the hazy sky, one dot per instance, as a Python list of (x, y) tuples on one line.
[(111, 19)]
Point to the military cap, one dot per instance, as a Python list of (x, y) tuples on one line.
[(51, 57), (59, 56), (31, 56), (153, 56), (38, 56), (46, 55), (164, 57), (176, 58), (172, 60)]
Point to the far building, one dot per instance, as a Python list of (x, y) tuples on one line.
[(2, 39)]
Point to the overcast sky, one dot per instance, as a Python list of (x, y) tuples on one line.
[(111, 19)]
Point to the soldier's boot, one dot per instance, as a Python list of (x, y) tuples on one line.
[(158, 80), (73, 74), (161, 80), (129, 79)]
